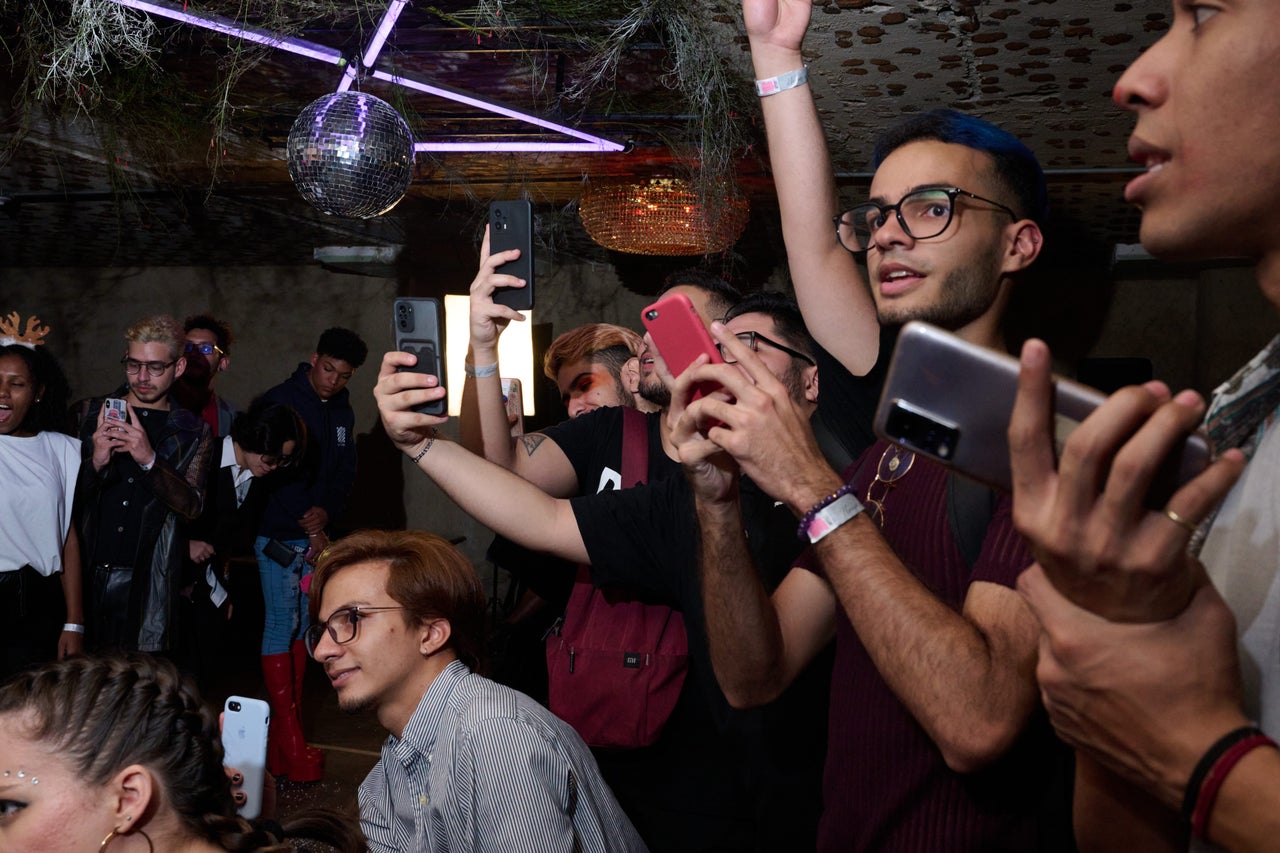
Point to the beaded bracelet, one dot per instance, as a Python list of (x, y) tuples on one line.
[(802, 532)]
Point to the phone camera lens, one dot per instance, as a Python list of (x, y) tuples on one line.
[(651, 315), (235, 706)]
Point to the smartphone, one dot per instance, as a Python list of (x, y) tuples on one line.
[(511, 227), (417, 325), (244, 747), (951, 400), (514, 402), (115, 410), (680, 336)]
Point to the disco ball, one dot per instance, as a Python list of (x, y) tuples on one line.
[(351, 154)]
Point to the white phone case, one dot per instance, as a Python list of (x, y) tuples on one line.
[(244, 746)]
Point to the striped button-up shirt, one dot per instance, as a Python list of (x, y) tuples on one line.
[(482, 767)]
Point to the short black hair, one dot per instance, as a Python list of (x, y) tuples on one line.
[(267, 427), (344, 344), (208, 322), (723, 294), (786, 316), (1015, 166)]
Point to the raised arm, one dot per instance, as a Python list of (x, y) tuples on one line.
[(483, 426), (829, 285), (495, 497)]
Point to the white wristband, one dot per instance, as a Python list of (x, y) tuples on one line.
[(481, 372), (149, 465), (73, 628), (783, 82), (833, 515)]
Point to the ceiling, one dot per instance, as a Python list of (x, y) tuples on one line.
[(119, 188)]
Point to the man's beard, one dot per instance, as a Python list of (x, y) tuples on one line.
[(966, 294), (655, 392)]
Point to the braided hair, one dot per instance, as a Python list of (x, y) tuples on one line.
[(105, 713)]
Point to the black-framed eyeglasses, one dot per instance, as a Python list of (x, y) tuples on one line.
[(341, 625), (276, 460), (894, 464), (922, 214), (154, 368), (753, 340), (204, 349)]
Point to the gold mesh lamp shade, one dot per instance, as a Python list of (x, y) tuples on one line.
[(661, 216)]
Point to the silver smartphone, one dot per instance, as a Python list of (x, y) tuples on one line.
[(417, 325), (244, 747), (951, 400)]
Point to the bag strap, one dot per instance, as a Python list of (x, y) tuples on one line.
[(635, 447), (970, 506)]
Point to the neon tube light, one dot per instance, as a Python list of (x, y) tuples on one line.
[(489, 106), (229, 27), (511, 146)]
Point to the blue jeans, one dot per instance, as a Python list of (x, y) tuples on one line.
[(286, 604)]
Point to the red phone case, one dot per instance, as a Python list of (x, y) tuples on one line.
[(680, 337)]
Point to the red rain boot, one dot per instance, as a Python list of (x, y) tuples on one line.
[(299, 652), (287, 754)]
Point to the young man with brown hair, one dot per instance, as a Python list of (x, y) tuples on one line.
[(398, 621)]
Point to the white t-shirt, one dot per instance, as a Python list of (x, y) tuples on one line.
[(37, 487)]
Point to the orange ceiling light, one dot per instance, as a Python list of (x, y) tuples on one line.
[(661, 216)]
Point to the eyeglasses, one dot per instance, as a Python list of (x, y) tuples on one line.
[(922, 214), (203, 349), (889, 470), (273, 460), (133, 367), (341, 625), (753, 340)]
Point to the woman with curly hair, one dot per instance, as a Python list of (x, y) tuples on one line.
[(118, 754)]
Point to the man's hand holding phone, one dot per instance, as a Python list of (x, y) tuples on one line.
[(760, 426), (489, 318), (1083, 513), (114, 435), (398, 392)]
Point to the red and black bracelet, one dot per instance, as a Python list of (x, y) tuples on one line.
[(1212, 770)]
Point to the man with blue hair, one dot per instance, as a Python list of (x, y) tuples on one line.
[(936, 737)]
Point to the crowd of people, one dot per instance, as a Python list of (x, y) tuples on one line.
[(924, 664)]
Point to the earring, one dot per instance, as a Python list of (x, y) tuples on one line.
[(113, 834)]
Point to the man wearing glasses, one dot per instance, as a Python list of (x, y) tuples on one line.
[(935, 741), (644, 538), (208, 353), (147, 471), (398, 622)]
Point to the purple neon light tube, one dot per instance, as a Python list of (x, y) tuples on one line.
[(231, 28), (600, 144)]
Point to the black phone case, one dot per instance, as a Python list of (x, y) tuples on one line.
[(280, 552), (416, 324), (511, 227)]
